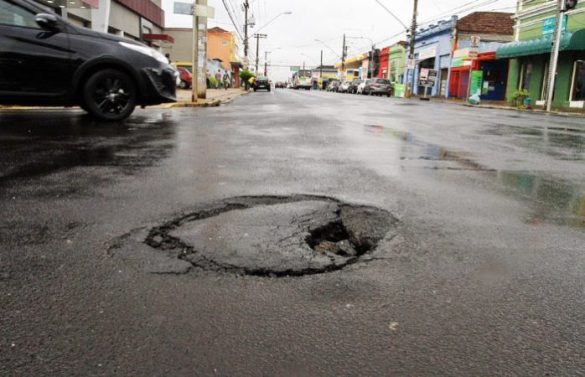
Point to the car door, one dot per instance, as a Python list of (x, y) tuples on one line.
[(35, 62)]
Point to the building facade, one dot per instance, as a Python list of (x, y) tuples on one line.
[(222, 50), (529, 54), (492, 30), (432, 50), (141, 20)]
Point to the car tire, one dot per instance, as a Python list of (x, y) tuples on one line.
[(110, 95), (183, 85)]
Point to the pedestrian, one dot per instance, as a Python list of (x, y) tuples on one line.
[(218, 78), (226, 80)]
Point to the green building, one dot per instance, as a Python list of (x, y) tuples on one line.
[(397, 67), (529, 55)]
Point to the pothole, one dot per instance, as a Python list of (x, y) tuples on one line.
[(270, 236)]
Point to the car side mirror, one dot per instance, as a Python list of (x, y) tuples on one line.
[(48, 21)]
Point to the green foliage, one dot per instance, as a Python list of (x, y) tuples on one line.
[(213, 82), (246, 75), (518, 98)]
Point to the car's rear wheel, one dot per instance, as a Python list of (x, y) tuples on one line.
[(110, 95)]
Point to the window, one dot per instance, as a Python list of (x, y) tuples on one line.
[(578, 87), (13, 15)]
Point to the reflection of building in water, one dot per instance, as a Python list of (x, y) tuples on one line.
[(555, 201)]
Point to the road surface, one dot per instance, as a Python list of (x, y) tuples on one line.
[(483, 275)]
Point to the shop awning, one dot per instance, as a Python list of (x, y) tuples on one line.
[(569, 42)]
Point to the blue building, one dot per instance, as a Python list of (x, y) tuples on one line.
[(432, 50)]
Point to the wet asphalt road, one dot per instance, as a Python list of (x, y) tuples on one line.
[(486, 276)]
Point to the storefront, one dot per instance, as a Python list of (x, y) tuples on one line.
[(383, 71), (494, 73), (529, 55), (433, 51)]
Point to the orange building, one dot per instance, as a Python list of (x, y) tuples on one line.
[(222, 46)]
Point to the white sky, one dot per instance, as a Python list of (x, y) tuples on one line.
[(291, 38)]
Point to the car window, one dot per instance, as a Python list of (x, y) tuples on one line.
[(13, 15)]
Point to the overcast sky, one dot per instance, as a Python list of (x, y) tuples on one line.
[(291, 38)]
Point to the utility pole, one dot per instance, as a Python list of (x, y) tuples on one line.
[(410, 85), (554, 56), (321, 66), (266, 63), (246, 7), (199, 82), (258, 37), (343, 53)]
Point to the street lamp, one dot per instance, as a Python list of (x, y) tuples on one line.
[(274, 19), (329, 47)]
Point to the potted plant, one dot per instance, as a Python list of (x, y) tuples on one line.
[(520, 97)]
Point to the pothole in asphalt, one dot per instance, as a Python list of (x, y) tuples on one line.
[(270, 236)]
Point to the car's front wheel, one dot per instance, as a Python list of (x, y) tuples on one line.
[(110, 95)]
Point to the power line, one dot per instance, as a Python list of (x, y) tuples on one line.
[(232, 19), (392, 14)]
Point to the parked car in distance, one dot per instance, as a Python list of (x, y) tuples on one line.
[(47, 61), (378, 87), (362, 86), (186, 78), (344, 87), (262, 83), (353, 86), (333, 86)]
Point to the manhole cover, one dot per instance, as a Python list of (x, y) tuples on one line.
[(272, 236)]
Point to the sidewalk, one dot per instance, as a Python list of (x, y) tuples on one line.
[(215, 97)]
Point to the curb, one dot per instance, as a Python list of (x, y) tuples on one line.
[(535, 111)]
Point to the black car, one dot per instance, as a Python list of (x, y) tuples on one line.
[(46, 61), (378, 87), (262, 83)]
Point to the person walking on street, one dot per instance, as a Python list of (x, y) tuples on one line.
[(218, 78), (226, 81)]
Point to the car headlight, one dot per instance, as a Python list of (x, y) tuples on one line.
[(146, 51)]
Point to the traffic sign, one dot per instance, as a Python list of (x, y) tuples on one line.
[(183, 8)]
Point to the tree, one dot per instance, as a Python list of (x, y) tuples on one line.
[(246, 75)]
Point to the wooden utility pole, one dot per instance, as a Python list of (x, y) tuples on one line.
[(266, 63), (410, 85), (199, 82), (246, 7), (343, 55)]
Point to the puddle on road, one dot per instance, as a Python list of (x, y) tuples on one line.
[(564, 143), (552, 201), (43, 144), (265, 236)]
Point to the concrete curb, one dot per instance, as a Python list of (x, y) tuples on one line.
[(536, 111)]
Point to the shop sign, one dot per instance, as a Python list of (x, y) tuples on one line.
[(549, 25), (476, 82), (427, 77), (475, 40), (427, 54)]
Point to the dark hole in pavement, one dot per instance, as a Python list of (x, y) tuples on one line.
[(273, 236)]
